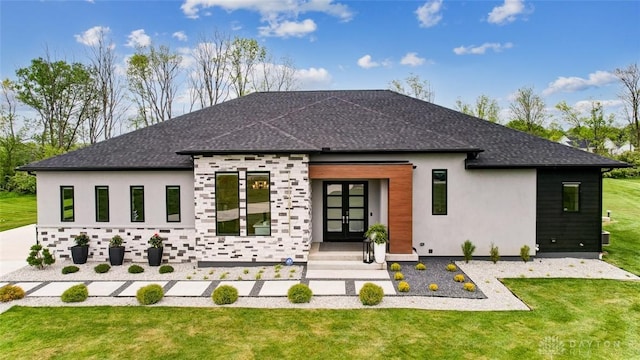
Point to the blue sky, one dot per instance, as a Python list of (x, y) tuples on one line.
[(566, 50)]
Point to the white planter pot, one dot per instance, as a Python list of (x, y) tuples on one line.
[(379, 251)]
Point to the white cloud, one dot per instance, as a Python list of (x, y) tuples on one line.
[(482, 49), (138, 38), (574, 83), (180, 35), (313, 78), (412, 59), (507, 12), (287, 28), (429, 14), (584, 106), (92, 36), (366, 62)]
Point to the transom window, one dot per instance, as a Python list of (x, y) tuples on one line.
[(571, 196)]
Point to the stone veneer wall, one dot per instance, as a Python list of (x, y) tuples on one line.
[(290, 209), (179, 244)]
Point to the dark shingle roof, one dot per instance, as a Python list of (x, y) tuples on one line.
[(310, 121)]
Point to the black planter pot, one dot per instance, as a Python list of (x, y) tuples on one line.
[(116, 255), (79, 254), (154, 255)]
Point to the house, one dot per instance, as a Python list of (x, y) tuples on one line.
[(262, 177)]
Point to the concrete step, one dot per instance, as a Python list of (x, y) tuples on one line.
[(336, 255), (344, 265), (350, 274)]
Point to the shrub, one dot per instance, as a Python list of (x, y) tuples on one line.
[(11, 292), (70, 269), (40, 260), (433, 287), (135, 269), (116, 241), (299, 293), (225, 294), (458, 278), (524, 253), (22, 183), (403, 286), (398, 276), (164, 269), (155, 241), (81, 239), (494, 253), (150, 294), (452, 267), (421, 266), (469, 287), (395, 267), (467, 250), (102, 268), (371, 294), (76, 293)]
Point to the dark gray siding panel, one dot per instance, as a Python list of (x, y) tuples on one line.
[(557, 230)]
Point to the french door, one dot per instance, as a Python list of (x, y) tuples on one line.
[(345, 210)]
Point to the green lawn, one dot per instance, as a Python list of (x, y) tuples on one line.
[(16, 210), (595, 319), (622, 197)]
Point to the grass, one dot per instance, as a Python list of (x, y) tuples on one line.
[(16, 210), (596, 319), (622, 197)]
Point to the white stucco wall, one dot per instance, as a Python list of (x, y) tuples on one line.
[(483, 206)]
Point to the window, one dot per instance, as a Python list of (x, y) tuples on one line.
[(137, 204), (258, 204), (227, 204), (66, 204), (571, 196), (173, 203), (439, 192), (102, 203)]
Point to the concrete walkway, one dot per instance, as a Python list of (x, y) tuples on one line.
[(14, 247)]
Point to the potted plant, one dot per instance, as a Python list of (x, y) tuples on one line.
[(80, 251), (154, 253), (116, 250), (377, 233)]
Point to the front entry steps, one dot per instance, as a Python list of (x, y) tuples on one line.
[(348, 257)]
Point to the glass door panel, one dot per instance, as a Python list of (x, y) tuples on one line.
[(345, 210)]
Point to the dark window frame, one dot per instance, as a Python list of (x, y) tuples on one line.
[(237, 174), (73, 203), (101, 187), (446, 192), (567, 184), (257, 173), (166, 201), (131, 188)]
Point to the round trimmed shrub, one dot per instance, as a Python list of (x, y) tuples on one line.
[(458, 278), (135, 269), (398, 276), (225, 294), (403, 286), (11, 292), (150, 294), (421, 266), (371, 294), (165, 269), (299, 293), (70, 269), (395, 267), (469, 287), (433, 287), (102, 268), (76, 293), (452, 267)]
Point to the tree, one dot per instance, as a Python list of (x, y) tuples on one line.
[(630, 95), (152, 74), (415, 87), (209, 77), (485, 108), (108, 87), (594, 128), (272, 76), (244, 56), (11, 137), (528, 113), (61, 93)]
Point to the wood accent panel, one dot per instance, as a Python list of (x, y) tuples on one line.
[(400, 178)]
